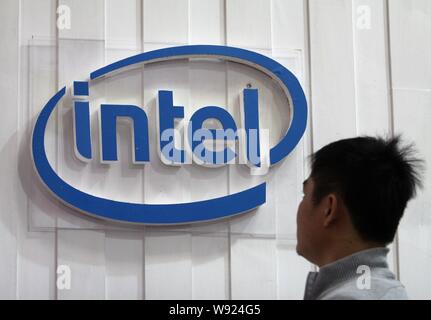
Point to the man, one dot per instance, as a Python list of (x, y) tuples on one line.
[(353, 201)]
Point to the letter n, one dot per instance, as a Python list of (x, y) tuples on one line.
[(108, 118)]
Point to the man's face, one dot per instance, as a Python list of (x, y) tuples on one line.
[(309, 224)]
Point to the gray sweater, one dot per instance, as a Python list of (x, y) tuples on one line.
[(362, 276)]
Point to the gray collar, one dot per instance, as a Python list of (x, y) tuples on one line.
[(344, 269)]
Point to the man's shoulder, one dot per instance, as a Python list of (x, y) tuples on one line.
[(395, 293), (378, 289)]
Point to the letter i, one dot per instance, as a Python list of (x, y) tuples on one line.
[(81, 122), (250, 121)]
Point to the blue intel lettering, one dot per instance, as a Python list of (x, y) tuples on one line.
[(196, 136)]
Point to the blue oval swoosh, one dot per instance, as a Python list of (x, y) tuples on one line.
[(212, 209), (179, 213)]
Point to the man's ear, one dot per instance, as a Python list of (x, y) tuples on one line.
[(330, 209)]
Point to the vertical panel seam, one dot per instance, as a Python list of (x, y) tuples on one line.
[(144, 292), (309, 75), (271, 34), (57, 53), (386, 15), (143, 266), (229, 235), (105, 33), (18, 107), (355, 71)]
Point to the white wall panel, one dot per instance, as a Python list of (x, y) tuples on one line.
[(291, 272), (254, 271), (123, 23), (36, 264), (332, 72), (168, 266), (166, 21), (371, 71), (210, 267), (124, 256), (207, 22), (287, 20), (410, 28), (38, 19), (83, 251), (87, 20), (248, 23), (37, 75)]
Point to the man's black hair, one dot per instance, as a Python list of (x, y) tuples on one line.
[(374, 177)]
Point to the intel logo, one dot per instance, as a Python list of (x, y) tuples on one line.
[(195, 138)]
